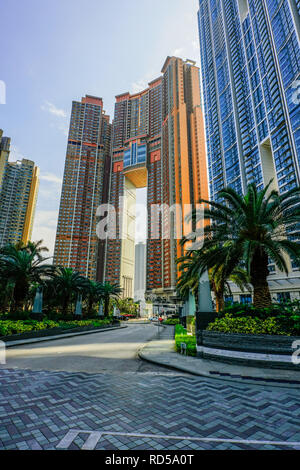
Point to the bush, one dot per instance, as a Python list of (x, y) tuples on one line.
[(23, 315), (248, 325), (171, 321), (282, 310), (9, 327), (181, 336)]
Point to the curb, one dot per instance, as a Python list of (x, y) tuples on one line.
[(233, 378), (24, 342)]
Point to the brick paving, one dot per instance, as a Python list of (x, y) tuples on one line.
[(38, 409)]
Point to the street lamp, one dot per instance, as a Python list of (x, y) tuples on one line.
[(78, 310), (38, 302), (101, 310)]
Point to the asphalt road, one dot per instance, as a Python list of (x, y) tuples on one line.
[(112, 351)]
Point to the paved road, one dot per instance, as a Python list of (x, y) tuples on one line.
[(123, 404), (113, 351)]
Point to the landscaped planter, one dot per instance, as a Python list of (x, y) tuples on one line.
[(52, 332), (252, 350)]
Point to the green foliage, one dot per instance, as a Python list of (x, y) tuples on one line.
[(287, 314), (23, 266), (248, 325), (128, 306), (247, 231), (171, 321), (181, 336), (286, 309), (9, 327), (23, 271)]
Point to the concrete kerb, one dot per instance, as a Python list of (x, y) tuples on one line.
[(163, 359), (23, 342)]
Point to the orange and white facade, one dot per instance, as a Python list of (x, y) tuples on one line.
[(85, 187), (158, 143)]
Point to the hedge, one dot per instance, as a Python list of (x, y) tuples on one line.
[(181, 336), (249, 325), (9, 327), (171, 321)]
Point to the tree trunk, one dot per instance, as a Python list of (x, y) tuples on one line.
[(106, 307), (65, 305), (20, 293), (220, 303), (219, 294), (90, 306), (259, 273)]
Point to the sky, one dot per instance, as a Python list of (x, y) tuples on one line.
[(56, 51)]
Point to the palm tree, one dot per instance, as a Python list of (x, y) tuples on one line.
[(109, 291), (22, 268), (94, 292), (67, 283), (251, 229), (35, 248), (188, 281), (193, 265), (221, 283)]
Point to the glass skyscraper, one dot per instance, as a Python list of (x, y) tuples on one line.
[(250, 66), (250, 58)]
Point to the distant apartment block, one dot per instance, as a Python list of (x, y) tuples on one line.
[(18, 197), (85, 187), (4, 154), (250, 54), (158, 143), (140, 272)]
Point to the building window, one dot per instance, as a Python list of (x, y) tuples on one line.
[(283, 297), (246, 299)]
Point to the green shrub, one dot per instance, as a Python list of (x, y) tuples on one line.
[(248, 325), (23, 315), (10, 327), (181, 336), (171, 321), (281, 310)]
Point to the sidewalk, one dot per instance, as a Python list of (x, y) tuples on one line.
[(161, 351)]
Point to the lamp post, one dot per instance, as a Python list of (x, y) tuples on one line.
[(101, 310), (37, 309), (205, 313), (78, 310)]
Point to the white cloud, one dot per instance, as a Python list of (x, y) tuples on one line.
[(51, 178), (15, 154), (138, 86), (52, 109), (45, 228), (142, 84), (62, 126), (178, 52)]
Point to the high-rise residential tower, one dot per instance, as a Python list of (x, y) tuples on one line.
[(18, 198), (85, 187), (140, 272), (250, 65), (158, 143), (250, 71), (4, 154)]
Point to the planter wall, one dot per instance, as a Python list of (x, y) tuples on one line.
[(252, 350), (50, 332)]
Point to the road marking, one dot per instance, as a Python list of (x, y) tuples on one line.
[(95, 436)]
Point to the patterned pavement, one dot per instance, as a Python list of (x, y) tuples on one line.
[(144, 410)]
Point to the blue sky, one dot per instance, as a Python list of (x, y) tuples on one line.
[(56, 51)]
